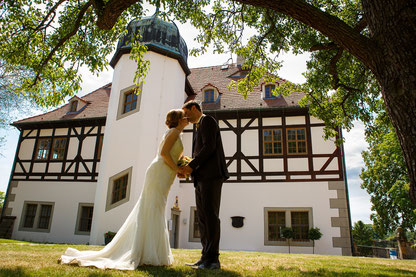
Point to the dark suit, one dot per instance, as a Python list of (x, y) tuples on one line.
[(209, 172)]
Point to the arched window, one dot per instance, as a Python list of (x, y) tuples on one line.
[(209, 96), (268, 92), (74, 106)]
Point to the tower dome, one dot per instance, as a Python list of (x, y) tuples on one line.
[(159, 36)]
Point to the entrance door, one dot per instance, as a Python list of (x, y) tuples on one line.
[(174, 232)]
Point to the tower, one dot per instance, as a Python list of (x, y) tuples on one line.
[(135, 124)]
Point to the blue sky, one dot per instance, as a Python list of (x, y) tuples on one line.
[(292, 69)]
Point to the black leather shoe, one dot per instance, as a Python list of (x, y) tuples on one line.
[(197, 263), (209, 266)]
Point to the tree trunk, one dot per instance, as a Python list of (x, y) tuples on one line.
[(392, 24)]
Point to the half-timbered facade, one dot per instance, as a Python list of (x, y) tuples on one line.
[(79, 170)]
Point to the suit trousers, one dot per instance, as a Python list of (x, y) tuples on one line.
[(208, 199)]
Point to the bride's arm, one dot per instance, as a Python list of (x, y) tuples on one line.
[(167, 146)]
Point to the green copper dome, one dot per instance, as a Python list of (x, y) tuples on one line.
[(159, 36)]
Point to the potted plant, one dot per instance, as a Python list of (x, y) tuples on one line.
[(287, 233), (314, 234), (108, 237)]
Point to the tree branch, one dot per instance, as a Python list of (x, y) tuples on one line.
[(337, 30), (51, 11), (61, 42), (109, 12)]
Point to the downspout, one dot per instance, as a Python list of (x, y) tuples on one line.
[(346, 191)]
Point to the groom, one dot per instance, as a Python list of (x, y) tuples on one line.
[(209, 171)]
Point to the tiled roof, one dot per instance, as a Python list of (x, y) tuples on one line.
[(93, 105), (219, 77)]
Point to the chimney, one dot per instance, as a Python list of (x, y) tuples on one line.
[(240, 61)]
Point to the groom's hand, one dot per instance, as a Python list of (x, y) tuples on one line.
[(187, 170)]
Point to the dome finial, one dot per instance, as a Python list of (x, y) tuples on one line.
[(156, 12)]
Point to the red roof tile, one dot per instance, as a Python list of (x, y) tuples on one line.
[(93, 105), (230, 99)]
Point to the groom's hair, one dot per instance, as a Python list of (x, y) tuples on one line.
[(188, 105)]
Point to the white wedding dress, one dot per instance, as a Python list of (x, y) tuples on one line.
[(143, 239)]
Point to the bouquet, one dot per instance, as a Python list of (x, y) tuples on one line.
[(184, 160)]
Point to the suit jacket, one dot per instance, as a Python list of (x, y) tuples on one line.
[(208, 152)]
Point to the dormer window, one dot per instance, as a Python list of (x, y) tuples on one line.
[(74, 106), (209, 96), (268, 92)]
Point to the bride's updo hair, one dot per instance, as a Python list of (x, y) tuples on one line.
[(173, 117)]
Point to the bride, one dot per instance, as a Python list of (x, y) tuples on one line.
[(143, 239)]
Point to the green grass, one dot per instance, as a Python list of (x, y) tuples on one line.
[(29, 259)]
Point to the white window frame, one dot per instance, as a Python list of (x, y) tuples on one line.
[(263, 91), (216, 94)]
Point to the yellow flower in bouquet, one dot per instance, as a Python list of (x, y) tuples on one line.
[(184, 161)]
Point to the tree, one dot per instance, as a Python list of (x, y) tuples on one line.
[(362, 234), (314, 234), (288, 234), (12, 105), (385, 178), (363, 51), (1, 199)]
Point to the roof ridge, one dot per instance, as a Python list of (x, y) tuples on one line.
[(103, 87)]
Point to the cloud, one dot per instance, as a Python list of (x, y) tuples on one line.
[(360, 207)]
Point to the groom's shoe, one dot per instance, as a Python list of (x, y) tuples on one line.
[(197, 263), (206, 265)]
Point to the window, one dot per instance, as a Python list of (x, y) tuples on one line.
[(45, 216), (300, 225), (296, 141), (209, 96), (84, 219), (268, 91), (74, 105), (36, 216), (130, 101), (299, 219), (118, 189), (44, 146), (42, 149), (272, 141), (194, 233), (30, 215), (277, 221), (58, 148)]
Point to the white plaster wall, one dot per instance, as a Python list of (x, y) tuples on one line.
[(319, 144), (249, 200), (26, 149), (293, 120), (132, 141), (66, 196)]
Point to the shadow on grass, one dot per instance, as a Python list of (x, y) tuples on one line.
[(326, 272), (13, 272), (185, 271)]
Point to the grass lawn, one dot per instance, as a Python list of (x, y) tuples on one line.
[(33, 259)]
